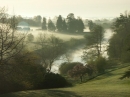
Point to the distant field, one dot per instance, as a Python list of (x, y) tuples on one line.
[(63, 36), (107, 85)]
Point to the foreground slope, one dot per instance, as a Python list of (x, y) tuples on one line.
[(107, 85)]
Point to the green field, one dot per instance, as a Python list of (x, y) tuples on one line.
[(64, 36), (107, 85)]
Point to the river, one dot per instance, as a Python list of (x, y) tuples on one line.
[(75, 55)]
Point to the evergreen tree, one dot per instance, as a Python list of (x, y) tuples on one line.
[(64, 26), (71, 23), (51, 26), (80, 25), (59, 23), (44, 24)]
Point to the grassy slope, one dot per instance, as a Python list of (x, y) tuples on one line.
[(107, 85)]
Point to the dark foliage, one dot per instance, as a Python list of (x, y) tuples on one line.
[(65, 67), (126, 75), (120, 41), (51, 26), (59, 23), (101, 64), (79, 70), (53, 80), (44, 25)]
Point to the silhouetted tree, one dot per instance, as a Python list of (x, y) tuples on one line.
[(80, 25), (71, 23), (37, 19), (94, 42), (10, 42), (91, 25), (64, 26), (50, 48), (44, 24), (51, 26), (120, 41), (59, 23)]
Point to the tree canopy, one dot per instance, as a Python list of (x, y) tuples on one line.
[(120, 41)]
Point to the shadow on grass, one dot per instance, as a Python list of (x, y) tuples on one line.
[(42, 93), (60, 93)]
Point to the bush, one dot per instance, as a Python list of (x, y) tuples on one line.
[(111, 63), (101, 64), (22, 78), (53, 80), (21, 73), (126, 75), (66, 66), (30, 37)]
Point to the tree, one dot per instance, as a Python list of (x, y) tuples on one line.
[(51, 26), (66, 66), (80, 25), (50, 48), (78, 71), (22, 73), (100, 63), (90, 25), (53, 80), (94, 42), (120, 41), (71, 23), (37, 19), (59, 23), (11, 43), (64, 27), (44, 24), (30, 37)]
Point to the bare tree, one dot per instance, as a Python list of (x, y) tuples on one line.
[(50, 48), (11, 41)]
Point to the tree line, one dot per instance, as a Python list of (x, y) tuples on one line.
[(70, 24)]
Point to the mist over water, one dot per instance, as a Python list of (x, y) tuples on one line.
[(75, 55)]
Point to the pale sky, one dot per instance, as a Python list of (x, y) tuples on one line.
[(83, 8)]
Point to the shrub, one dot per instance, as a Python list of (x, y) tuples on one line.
[(30, 37), (126, 75), (101, 64), (53, 80), (66, 66)]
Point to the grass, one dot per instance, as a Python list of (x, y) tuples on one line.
[(107, 85), (64, 36)]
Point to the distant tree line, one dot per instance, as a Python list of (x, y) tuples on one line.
[(35, 21), (70, 24)]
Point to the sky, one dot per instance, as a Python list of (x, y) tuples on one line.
[(51, 8)]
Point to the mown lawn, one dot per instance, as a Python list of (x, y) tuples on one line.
[(107, 85)]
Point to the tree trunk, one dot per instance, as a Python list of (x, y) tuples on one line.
[(81, 78)]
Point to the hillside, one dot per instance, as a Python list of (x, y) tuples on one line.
[(107, 85)]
